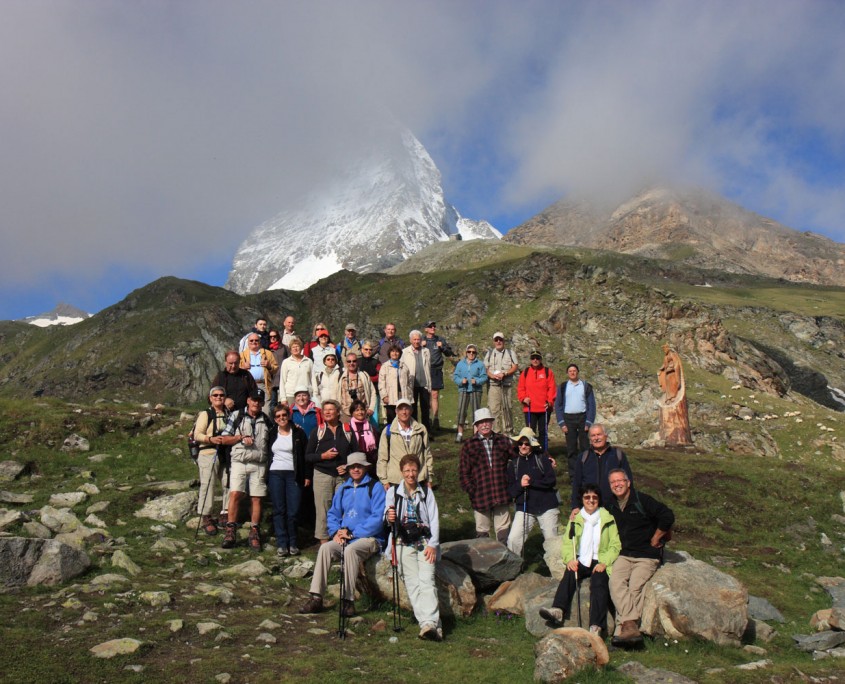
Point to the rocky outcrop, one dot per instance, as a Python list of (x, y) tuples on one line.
[(565, 651), (488, 561), (174, 508), (30, 562)]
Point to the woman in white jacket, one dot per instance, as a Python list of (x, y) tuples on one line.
[(411, 510), (296, 371)]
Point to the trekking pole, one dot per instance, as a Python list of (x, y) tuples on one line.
[(205, 498), (397, 615), (546, 430), (524, 519), (341, 619), (575, 556)]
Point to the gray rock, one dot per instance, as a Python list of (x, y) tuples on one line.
[(223, 678), (543, 598), (82, 535), (35, 529), (89, 488), (755, 665), (206, 627), (155, 598), (98, 458), (456, 594), (171, 485), (248, 569), (266, 638), (9, 518), (58, 519), (30, 562), (820, 641), (654, 675), (94, 521), (761, 609), (175, 625), (694, 599), (11, 470), (553, 558), (75, 442), (510, 596), (216, 591), (835, 587), (98, 507), (488, 562), (119, 559), (300, 569), (757, 630), (269, 624), (115, 647), (110, 580), (173, 508), (565, 651), (13, 498)]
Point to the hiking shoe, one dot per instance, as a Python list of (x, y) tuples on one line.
[(230, 539), (458, 437), (294, 551), (283, 552), (254, 540), (209, 525), (313, 605), (436, 424), (222, 521), (429, 632), (628, 631), (595, 629), (348, 609), (553, 615)]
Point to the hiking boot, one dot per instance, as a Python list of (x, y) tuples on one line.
[(282, 552), (628, 631), (231, 537), (254, 540), (294, 551), (222, 521), (436, 424), (430, 632), (459, 437), (348, 609), (313, 605), (553, 615), (595, 629), (209, 525)]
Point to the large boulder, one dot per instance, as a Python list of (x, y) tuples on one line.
[(510, 596), (552, 556), (488, 561), (543, 597), (456, 594), (30, 562), (565, 651), (174, 508), (693, 599)]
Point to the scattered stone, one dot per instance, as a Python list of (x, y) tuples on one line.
[(9, 518), (543, 597), (94, 521), (73, 604), (756, 665), (175, 625), (172, 485), (115, 647), (35, 529), (835, 587), (825, 540), (165, 544), (266, 638), (59, 519), (269, 624), (205, 627), (12, 498), (693, 599), (299, 570), (215, 591), (655, 675), (223, 678), (821, 641), (821, 619), (757, 630), (173, 508), (489, 562), (67, 499), (510, 596), (11, 470), (89, 488), (90, 616), (222, 636), (248, 569), (318, 631), (81, 535), (30, 562), (379, 626), (119, 559), (134, 668), (155, 598), (98, 458), (754, 650), (98, 507), (761, 609), (565, 651)]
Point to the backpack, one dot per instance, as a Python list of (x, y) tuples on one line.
[(321, 429)]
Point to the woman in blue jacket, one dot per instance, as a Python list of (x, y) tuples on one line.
[(470, 376)]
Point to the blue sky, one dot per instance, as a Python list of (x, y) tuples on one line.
[(147, 139)]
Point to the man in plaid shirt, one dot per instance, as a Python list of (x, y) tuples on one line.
[(483, 465)]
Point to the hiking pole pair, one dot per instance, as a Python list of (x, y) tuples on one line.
[(208, 487), (575, 556), (397, 615), (524, 520), (341, 611)]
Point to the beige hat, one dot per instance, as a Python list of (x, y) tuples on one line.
[(301, 388), (404, 402), (527, 433), (357, 458), (498, 334), (482, 414)]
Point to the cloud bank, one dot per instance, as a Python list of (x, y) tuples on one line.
[(153, 136)]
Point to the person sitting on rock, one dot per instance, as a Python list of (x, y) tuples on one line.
[(644, 524), (356, 527), (589, 549), (248, 433), (532, 484), (411, 511)]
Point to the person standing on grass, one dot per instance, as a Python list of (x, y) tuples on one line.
[(411, 510), (501, 365), (237, 382), (296, 371), (470, 377), (536, 392), (394, 383), (248, 433), (211, 463), (482, 473), (644, 526), (438, 349), (287, 477), (575, 410), (417, 359), (401, 437)]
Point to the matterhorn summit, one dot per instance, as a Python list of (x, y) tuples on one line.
[(381, 209)]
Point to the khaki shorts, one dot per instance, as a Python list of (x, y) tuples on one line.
[(251, 475)]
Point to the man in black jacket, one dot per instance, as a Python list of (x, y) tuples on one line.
[(237, 382), (593, 466), (643, 523)]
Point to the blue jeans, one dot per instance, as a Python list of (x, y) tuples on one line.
[(285, 495)]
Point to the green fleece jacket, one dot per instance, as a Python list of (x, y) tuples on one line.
[(609, 543)]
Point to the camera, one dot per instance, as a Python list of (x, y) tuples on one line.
[(353, 394), (413, 533), (193, 447)]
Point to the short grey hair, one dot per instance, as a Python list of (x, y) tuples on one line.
[(415, 333)]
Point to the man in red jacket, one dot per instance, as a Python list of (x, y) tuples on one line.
[(536, 391)]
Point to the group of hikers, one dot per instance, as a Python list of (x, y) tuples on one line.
[(339, 434)]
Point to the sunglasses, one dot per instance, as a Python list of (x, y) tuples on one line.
[(218, 396), (590, 497), (357, 465), (274, 337)]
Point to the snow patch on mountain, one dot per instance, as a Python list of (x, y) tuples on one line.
[(384, 207), (63, 314)]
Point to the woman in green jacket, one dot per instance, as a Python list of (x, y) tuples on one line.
[(589, 549)]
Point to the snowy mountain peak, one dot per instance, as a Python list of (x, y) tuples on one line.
[(374, 214), (63, 314)]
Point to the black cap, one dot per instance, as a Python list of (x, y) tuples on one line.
[(429, 324), (257, 395)]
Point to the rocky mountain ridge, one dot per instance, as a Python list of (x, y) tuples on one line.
[(693, 227)]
